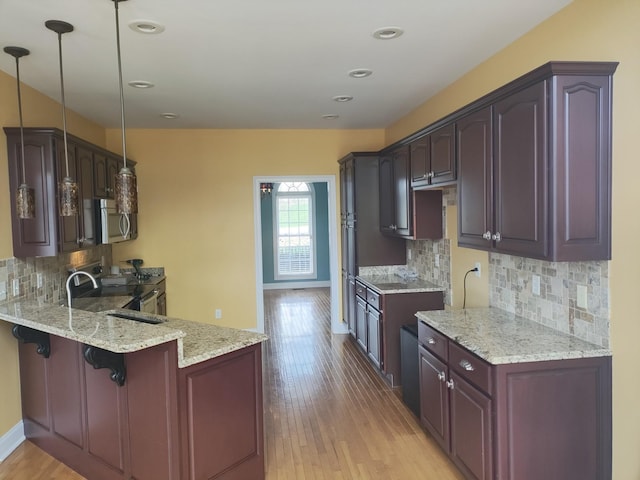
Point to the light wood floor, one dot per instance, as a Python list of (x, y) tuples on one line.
[(328, 415)]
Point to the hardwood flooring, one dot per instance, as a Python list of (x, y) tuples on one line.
[(328, 414)]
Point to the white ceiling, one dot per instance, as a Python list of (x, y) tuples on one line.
[(260, 63)]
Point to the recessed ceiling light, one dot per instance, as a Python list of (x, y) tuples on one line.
[(331, 116), (360, 73), (342, 98), (146, 26), (140, 84), (387, 33), (169, 115)]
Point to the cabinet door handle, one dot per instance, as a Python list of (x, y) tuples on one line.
[(487, 235), (432, 174), (450, 384), (496, 236), (466, 364), (441, 376), (393, 227), (431, 341)]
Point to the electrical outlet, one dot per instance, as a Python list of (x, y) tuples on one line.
[(16, 287), (3, 291), (218, 313), (437, 260), (39, 280), (535, 285), (581, 300), (408, 254), (478, 271)]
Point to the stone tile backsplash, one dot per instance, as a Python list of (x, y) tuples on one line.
[(510, 289), (510, 285), (431, 259), (54, 272)]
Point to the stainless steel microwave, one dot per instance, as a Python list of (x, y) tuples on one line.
[(113, 227)]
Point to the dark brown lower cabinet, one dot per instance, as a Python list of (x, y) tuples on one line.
[(379, 318), (524, 421), (221, 428), (164, 423)]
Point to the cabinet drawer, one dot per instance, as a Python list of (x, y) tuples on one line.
[(373, 299), (361, 290), (471, 367), (433, 340)]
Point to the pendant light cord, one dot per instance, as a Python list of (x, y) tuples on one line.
[(64, 108), (124, 139), (24, 174)]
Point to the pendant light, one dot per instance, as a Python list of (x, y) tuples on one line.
[(126, 183), (67, 189), (25, 196)]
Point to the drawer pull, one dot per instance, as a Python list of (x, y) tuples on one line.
[(450, 384), (431, 341), (441, 376), (466, 365)]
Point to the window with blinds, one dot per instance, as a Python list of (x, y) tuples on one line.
[(294, 231)]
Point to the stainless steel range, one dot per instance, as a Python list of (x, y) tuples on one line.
[(144, 293)]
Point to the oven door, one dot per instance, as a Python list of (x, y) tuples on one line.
[(149, 303)]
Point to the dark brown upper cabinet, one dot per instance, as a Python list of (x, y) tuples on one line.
[(534, 166), (49, 234), (404, 212), (395, 198), (106, 168), (432, 158)]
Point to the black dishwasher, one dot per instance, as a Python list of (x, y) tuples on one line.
[(409, 367)]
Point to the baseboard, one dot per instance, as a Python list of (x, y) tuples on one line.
[(11, 440), (291, 285)]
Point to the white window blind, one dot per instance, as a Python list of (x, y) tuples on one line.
[(295, 246)]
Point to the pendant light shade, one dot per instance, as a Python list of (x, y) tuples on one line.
[(25, 196), (67, 189), (126, 183)]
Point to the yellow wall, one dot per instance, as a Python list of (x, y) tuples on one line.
[(196, 204), (607, 30), (38, 111)]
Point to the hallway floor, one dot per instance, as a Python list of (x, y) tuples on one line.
[(328, 414)]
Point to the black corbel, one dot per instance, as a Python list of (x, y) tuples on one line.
[(100, 358), (29, 335)]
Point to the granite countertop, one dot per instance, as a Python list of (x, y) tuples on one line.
[(387, 284), (90, 323), (501, 337)]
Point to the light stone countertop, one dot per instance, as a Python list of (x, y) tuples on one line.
[(501, 337), (387, 284), (94, 326)]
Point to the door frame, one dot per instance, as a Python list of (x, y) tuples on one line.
[(337, 326)]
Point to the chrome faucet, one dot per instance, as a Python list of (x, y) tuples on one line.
[(75, 274)]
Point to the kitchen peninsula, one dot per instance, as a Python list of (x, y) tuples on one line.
[(173, 400)]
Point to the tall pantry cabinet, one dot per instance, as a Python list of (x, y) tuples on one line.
[(363, 245)]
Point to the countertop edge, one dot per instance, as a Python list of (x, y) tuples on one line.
[(369, 282), (236, 339), (496, 359)]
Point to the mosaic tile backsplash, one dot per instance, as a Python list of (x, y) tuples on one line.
[(53, 270), (424, 252), (510, 289), (510, 285)]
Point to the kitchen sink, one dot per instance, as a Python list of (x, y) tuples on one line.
[(135, 316)]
